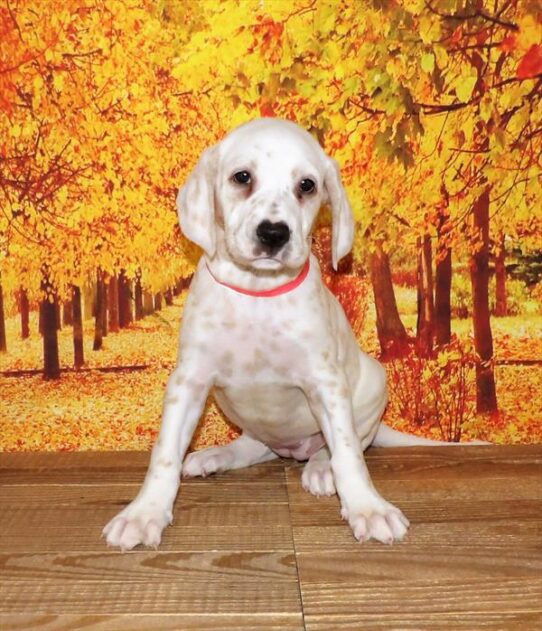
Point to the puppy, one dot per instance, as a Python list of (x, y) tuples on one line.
[(263, 333)]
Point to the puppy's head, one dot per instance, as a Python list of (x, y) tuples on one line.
[(257, 193)]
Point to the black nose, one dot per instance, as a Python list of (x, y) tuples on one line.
[(273, 235)]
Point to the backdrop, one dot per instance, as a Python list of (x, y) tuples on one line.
[(432, 110)]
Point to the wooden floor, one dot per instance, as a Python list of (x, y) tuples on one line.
[(251, 550)]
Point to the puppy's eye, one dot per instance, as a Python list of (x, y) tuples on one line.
[(307, 186), (242, 177)]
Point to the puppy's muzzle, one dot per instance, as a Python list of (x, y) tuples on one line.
[(273, 235)]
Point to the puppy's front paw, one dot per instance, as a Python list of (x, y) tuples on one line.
[(137, 523), (381, 521)]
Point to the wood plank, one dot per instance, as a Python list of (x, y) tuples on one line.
[(91, 495), (422, 598), (184, 515), (423, 463), (501, 533), (139, 567), (220, 596), (397, 463), (140, 459), (195, 527), (144, 622), (326, 511), (454, 462), (110, 468), (67, 460), (437, 621), (408, 562), (73, 460), (459, 452), (522, 488)]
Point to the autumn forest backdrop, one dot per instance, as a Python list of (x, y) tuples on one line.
[(433, 110)]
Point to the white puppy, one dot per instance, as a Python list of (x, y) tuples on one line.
[(262, 332)]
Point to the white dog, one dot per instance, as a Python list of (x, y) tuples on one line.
[(262, 332)]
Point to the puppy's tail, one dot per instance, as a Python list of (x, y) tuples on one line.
[(388, 437)]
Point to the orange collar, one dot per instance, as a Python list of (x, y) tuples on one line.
[(269, 293)]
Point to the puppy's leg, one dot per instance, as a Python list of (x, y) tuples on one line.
[(242, 452), (143, 520), (369, 515), (317, 476)]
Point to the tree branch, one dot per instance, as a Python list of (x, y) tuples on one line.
[(494, 19)]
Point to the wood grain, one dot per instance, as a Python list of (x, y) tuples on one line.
[(500, 533), (424, 599), (139, 567), (36, 495), (153, 622), (444, 620), (110, 468), (192, 597), (249, 549)]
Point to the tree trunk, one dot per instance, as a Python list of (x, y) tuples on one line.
[(125, 304), (58, 313), (3, 342), (391, 332), (486, 398), (67, 312), (103, 310), (113, 294), (184, 283), (443, 286), (49, 320), (88, 301), (98, 326), (501, 307), (158, 301), (424, 328), (138, 298), (24, 309), (168, 297), (148, 305), (78, 348)]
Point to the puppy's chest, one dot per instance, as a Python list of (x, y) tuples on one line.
[(259, 346), (252, 355)]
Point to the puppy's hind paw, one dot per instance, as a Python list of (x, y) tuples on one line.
[(206, 462), (317, 478)]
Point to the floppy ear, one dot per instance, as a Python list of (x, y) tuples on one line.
[(195, 203), (341, 213)]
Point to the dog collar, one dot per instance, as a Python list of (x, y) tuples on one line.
[(268, 293)]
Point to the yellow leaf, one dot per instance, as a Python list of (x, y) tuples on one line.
[(58, 81), (530, 32), (429, 29), (38, 83), (332, 52), (464, 88), (442, 56), (428, 62)]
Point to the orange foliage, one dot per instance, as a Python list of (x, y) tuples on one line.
[(104, 108)]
